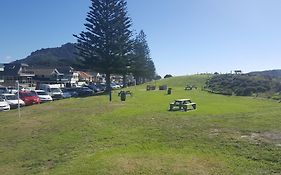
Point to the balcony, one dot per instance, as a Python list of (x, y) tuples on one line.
[(27, 73)]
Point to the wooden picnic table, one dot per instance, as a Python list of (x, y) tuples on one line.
[(182, 104)]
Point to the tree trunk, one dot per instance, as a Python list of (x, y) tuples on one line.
[(124, 80), (107, 80)]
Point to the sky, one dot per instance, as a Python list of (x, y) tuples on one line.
[(184, 36)]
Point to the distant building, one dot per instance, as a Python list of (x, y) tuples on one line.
[(47, 75), (61, 75), (85, 77), (18, 72)]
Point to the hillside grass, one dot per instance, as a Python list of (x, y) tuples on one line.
[(225, 135)]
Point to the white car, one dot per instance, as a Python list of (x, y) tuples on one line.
[(44, 97), (114, 85), (4, 106), (13, 100)]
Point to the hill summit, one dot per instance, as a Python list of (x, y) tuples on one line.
[(52, 57)]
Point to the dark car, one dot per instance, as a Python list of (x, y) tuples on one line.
[(84, 91), (101, 86), (94, 88), (70, 92)]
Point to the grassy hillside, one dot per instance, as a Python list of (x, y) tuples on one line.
[(225, 135), (245, 85)]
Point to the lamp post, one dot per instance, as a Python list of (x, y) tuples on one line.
[(18, 88)]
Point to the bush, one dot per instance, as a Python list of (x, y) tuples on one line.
[(241, 85)]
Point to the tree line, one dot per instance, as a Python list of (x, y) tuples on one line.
[(107, 45)]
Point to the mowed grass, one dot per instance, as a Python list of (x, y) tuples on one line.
[(225, 135)]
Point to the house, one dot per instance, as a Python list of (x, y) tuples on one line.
[(85, 77), (61, 75), (47, 75), (70, 76), (14, 72), (1, 73)]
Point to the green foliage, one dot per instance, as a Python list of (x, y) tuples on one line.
[(241, 85), (142, 66), (168, 76), (268, 73), (106, 43)]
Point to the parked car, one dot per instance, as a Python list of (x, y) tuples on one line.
[(4, 106), (44, 97), (65, 93), (101, 86), (12, 90), (114, 85), (3, 90), (79, 91), (29, 97), (53, 90), (93, 87), (84, 92), (13, 100), (69, 92)]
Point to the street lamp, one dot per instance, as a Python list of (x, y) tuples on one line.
[(18, 88)]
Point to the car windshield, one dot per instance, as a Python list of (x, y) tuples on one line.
[(11, 97), (55, 90), (29, 94), (41, 93), (2, 99)]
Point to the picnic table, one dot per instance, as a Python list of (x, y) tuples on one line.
[(125, 92), (182, 104)]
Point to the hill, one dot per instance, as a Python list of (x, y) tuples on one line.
[(268, 73), (224, 135), (52, 57), (245, 85)]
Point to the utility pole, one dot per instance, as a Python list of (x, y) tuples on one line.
[(18, 87)]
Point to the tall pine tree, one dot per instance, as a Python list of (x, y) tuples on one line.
[(141, 63), (105, 44)]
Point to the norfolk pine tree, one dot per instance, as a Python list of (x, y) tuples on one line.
[(105, 44), (142, 65)]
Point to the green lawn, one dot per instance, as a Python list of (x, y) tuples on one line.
[(225, 135)]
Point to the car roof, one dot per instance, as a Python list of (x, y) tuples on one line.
[(39, 90), (8, 94), (25, 92)]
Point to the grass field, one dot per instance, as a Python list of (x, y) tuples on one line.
[(225, 135)]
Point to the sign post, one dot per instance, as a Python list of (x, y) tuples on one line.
[(18, 88)]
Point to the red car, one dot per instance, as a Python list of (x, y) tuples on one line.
[(29, 97)]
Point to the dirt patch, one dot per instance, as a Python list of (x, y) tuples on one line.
[(214, 132), (272, 136), (168, 165), (267, 137)]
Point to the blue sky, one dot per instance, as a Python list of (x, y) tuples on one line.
[(184, 36)]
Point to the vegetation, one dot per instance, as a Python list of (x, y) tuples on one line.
[(168, 76), (243, 85), (106, 43), (52, 57), (225, 135), (142, 65), (268, 73)]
